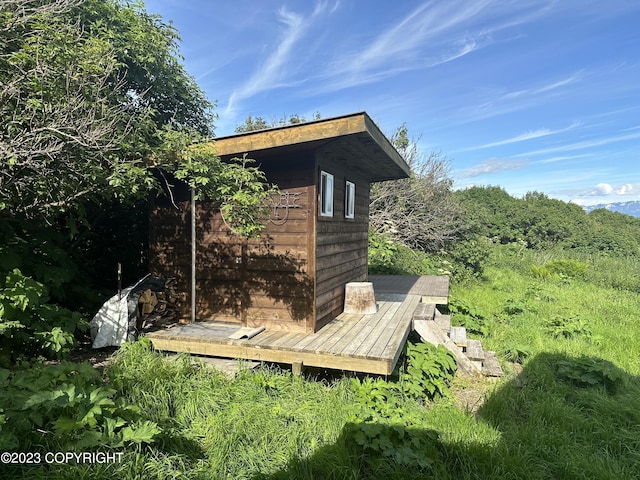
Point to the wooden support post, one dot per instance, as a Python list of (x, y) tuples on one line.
[(296, 368)]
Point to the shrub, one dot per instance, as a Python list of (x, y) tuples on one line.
[(427, 373), (67, 406), (591, 372), (467, 258), (381, 253), (567, 327), (567, 268), (29, 325), (469, 317)]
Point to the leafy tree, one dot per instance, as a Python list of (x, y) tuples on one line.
[(251, 123), (92, 95), (419, 212), (540, 222), (610, 233), (93, 100), (490, 212)]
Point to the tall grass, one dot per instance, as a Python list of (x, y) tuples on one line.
[(567, 409)]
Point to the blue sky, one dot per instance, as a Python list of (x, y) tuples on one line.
[(528, 95)]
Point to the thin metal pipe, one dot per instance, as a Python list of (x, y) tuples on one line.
[(193, 254)]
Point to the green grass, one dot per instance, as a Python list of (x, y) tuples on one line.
[(570, 409)]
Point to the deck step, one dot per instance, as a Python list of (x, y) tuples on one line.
[(430, 332), (475, 351), (443, 321), (459, 336), (491, 366), (424, 311)]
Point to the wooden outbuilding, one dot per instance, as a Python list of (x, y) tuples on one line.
[(293, 278)]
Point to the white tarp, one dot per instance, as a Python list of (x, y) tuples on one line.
[(110, 326)]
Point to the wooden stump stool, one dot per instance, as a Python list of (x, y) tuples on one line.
[(359, 298)]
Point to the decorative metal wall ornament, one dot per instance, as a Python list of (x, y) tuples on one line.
[(282, 203)]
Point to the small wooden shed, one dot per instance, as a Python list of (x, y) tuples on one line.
[(293, 278)]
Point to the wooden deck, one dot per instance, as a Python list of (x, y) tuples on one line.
[(363, 343), (431, 289)]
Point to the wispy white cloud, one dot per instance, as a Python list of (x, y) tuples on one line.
[(493, 165), (407, 36), (563, 158), (547, 87), (530, 135), (582, 145), (497, 103), (431, 34), (274, 72)]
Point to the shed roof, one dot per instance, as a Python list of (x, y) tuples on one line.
[(355, 139)]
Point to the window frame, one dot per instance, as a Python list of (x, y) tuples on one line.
[(326, 194), (349, 200)]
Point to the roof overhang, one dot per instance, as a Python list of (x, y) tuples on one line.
[(354, 138)]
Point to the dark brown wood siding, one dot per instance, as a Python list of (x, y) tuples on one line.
[(341, 243), (265, 282)]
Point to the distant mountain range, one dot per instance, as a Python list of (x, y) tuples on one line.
[(628, 208)]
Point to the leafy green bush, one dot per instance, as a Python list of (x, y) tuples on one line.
[(426, 374), (429, 371), (517, 353), (569, 268), (29, 325), (414, 262), (389, 258), (66, 406), (462, 314), (567, 327), (590, 372), (413, 448), (467, 257), (381, 253), (516, 307)]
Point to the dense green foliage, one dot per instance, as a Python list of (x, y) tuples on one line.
[(92, 94), (567, 407), (83, 105), (66, 407), (537, 221), (96, 110)]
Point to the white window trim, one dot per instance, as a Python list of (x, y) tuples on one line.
[(326, 194), (349, 199)]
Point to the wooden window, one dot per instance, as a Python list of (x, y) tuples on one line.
[(326, 194), (349, 199)]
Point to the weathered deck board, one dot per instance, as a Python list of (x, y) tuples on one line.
[(432, 289), (349, 338), (405, 310), (371, 337), (359, 330), (399, 336), (364, 343)]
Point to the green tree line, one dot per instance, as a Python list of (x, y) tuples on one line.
[(540, 222)]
